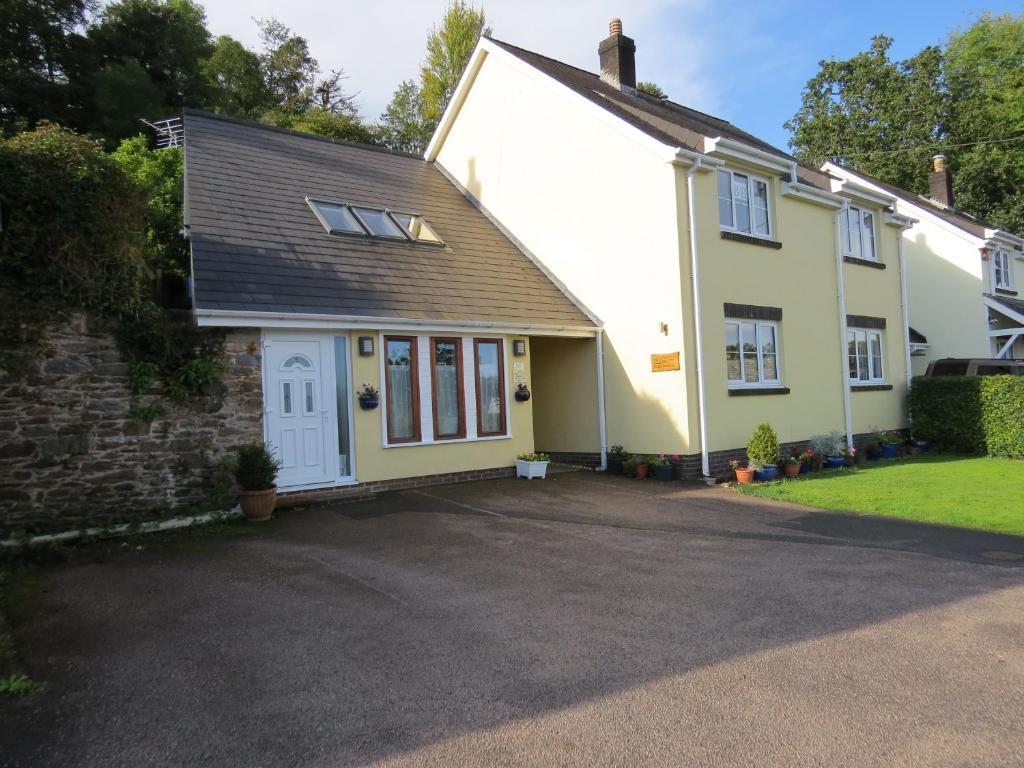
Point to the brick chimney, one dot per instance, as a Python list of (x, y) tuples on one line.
[(940, 182), (618, 58)]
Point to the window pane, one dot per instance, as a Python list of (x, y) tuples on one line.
[(401, 389), (416, 227), (768, 353), (851, 344), (286, 398), (750, 374), (760, 208), (854, 226), (379, 223), (732, 352), (725, 198), (490, 398), (338, 218), (740, 195), (447, 386), (845, 222), (308, 403), (862, 355), (876, 356), (868, 230), (341, 393)]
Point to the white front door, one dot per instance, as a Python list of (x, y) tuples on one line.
[(299, 402)]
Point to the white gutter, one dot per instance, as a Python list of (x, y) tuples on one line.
[(698, 325), (904, 305), (841, 300), (601, 424)]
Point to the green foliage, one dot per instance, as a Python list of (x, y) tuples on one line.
[(658, 461), (192, 378), (146, 411), (1002, 415), (237, 80), (288, 68), (533, 457), (322, 122), (74, 234), (401, 126), (142, 376), (763, 449), (449, 47), (17, 685), (617, 451), (159, 174), (651, 89), (255, 466), (946, 412)]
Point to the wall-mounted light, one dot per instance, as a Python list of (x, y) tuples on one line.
[(519, 347), (365, 346), (663, 327)]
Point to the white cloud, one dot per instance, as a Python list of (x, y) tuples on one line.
[(379, 44)]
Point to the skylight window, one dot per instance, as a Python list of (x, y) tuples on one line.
[(379, 223), (336, 218), (416, 227), (345, 219)]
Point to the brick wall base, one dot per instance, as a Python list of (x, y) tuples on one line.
[(365, 490), (589, 460)]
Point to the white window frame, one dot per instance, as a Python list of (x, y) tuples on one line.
[(1001, 268), (751, 178), (874, 377), (762, 382), (865, 233)]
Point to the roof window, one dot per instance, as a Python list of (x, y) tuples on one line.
[(361, 221)]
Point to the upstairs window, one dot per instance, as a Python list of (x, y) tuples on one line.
[(751, 353), (743, 203), (336, 218), (865, 356), (859, 233), (362, 221), (1001, 269), (379, 223), (416, 228)]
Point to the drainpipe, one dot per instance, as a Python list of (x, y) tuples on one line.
[(601, 427), (844, 368), (698, 324), (904, 306)]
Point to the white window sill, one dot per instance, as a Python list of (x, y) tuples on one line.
[(454, 441)]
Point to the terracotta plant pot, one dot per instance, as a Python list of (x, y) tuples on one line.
[(258, 506), (642, 470), (791, 470), (744, 476)]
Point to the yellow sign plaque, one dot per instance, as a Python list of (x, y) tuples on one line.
[(668, 362)]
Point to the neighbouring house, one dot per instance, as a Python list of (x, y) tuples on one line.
[(963, 276), (733, 285)]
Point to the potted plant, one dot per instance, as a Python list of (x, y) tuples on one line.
[(835, 450), (763, 452), (531, 465), (616, 459), (661, 466), (522, 393), (806, 460), (678, 467), (629, 466), (642, 467), (744, 475), (849, 457), (369, 397), (255, 470), (791, 466), (873, 450), (889, 443)]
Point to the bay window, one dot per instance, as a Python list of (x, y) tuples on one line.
[(858, 227), (751, 353), (865, 356), (743, 203)]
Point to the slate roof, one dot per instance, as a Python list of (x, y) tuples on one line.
[(916, 337), (661, 119), (257, 246), (1015, 305)]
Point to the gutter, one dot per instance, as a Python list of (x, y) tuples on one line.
[(841, 301)]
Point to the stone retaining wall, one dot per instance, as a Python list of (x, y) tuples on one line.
[(70, 456)]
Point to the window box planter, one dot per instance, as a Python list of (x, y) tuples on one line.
[(663, 472), (835, 462), (369, 402), (766, 474), (531, 469)]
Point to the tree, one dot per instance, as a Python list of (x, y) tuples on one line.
[(651, 89), (288, 68), (401, 126), (873, 114), (237, 80), (323, 122), (449, 47), (329, 96), (984, 73)]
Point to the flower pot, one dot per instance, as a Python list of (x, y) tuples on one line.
[(522, 394), (817, 463), (889, 451), (791, 470), (615, 465), (874, 453), (834, 462), (258, 506), (744, 476), (678, 470), (766, 474), (531, 469), (663, 473), (641, 471), (805, 467), (369, 402)]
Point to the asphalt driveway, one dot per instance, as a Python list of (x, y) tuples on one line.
[(582, 620)]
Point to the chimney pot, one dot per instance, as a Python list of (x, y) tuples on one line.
[(940, 182), (618, 58), (939, 163), (615, 27)]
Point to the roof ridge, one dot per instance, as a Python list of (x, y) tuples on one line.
[(300, 134)]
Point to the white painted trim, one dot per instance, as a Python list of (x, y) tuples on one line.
[(226, 318), (1008, 345), (811, 194), (698, 321), (850, 189), (841, 301), (1004, 237), (904, 307), (769, 202), (736, 150), (444, 125), (1005, 331)]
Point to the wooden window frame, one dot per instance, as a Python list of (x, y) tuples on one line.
[(460, 381), (501, 388), (417, 436)]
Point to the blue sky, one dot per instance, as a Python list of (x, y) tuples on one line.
[(742, 60)]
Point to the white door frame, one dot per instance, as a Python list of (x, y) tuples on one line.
[(328, 384)]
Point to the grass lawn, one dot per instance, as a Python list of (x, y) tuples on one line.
[(970, 492)]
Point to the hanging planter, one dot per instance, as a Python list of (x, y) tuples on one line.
[(522, 393), (369, 397)]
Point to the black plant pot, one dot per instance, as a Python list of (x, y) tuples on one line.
[(663, 472), (522, 395), (614, 465), (369, 402)]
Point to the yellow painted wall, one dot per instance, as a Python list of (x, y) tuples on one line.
[(598, 210), (375, 462), (565, 403)]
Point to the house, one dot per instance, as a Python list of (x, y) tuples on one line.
[(653, 276), (963, 276)]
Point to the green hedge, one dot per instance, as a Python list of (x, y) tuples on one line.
[(970, 414)]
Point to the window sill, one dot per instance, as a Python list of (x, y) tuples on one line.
[(871, 387), (449, 441), (752, 391), (738, 237), (1005, 292), (864, 262)]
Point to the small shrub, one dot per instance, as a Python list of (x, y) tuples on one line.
[(533, 457), (17, 685), (255, 467), (145, 411), (763, 450), (142, 377), (946, 412)]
